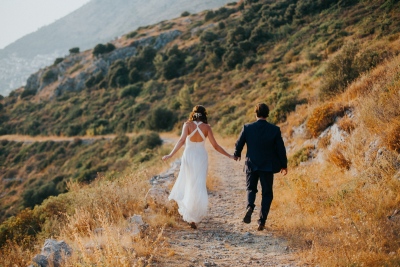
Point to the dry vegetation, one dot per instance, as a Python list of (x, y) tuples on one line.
[(340, 213), (338, 208), (93, 220)]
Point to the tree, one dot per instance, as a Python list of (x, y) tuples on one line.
[(161, 119), (74, 50)]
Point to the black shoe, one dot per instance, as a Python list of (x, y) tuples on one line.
[(247, 217), (261, 227)]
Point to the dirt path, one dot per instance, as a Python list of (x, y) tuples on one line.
[(221, 238)]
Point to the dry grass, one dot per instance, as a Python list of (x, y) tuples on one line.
[(339, 213), (99, 231), (324, 116), (337, 157), (96, 223)]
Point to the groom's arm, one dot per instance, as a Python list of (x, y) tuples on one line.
[(281, 150), (240, 144)]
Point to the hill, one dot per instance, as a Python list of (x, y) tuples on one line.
[(327, 69), (97, 21)]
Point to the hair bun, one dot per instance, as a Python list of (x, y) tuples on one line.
[(197, 115)]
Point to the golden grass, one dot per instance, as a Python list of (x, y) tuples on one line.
[(323, 116), (338, 213)]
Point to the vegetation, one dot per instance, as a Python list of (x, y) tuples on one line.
[(74, 50), (316, 63), (42, 169), (102, 49)]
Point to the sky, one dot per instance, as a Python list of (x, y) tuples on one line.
[(20, 17)]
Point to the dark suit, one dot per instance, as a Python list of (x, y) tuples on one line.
[(266, 155)]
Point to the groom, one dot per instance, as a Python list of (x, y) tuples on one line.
[(266, 155)]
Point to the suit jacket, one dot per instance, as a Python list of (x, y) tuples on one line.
[(265, 148)]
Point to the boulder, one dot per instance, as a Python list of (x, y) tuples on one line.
[(53, 254)]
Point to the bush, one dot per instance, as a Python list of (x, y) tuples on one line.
[(58, 60), (233, 57), (131, 34), (102, 49), (208, 37), (131, 90), (21, 229), (118, 74), (161, 119), (28, 92), (147, 141), (286, 103), (347, 66), (185, 14), (393, 137), (49, 76), (337, 157), (36, 195), (323, 116), (74, 50), (302, 155)]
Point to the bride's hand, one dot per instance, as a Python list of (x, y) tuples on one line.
[(166, 157)]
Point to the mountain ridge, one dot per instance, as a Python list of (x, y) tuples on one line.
[(95, 22)]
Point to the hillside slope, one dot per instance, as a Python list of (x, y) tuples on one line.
[(329, 72), (96, 22)]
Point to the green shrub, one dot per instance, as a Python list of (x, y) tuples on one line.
[(118, 74), (131, 90), (233, 57), (286, 104), (74, 50), (58, 60), (161, 119), (49, 76), (185, 14), (302, 155), (347, 66), (36, 195), (147, 141), (131, 34), (208, 37), (28, 92), (102, 49), (94, 80), (21, 229), (209, 15)]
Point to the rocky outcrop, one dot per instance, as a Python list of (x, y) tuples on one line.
[(99, 64), (158, 41), (53, 254)]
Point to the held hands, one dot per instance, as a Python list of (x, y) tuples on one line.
[(235, 158)]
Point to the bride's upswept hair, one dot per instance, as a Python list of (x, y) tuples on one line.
[(198, 113)]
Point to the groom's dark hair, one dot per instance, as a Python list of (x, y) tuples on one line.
[(262, 110)]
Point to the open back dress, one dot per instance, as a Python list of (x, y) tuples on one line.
[(189, 190)]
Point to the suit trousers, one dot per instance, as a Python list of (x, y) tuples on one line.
[(266, 180)]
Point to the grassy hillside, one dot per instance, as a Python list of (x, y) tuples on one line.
[(227, 59), (328, 70)]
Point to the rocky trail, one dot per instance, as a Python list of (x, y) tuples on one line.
[(222, 239)]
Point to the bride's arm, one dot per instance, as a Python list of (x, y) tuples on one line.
[(178, 144), (216, 145)]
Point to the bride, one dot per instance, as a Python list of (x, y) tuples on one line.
[(189, 190)]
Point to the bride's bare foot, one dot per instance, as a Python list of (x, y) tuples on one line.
[(193, 225)]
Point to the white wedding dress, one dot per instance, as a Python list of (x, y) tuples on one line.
[(189, 190)]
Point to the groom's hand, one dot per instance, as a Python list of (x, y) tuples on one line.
[(236, 158)]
